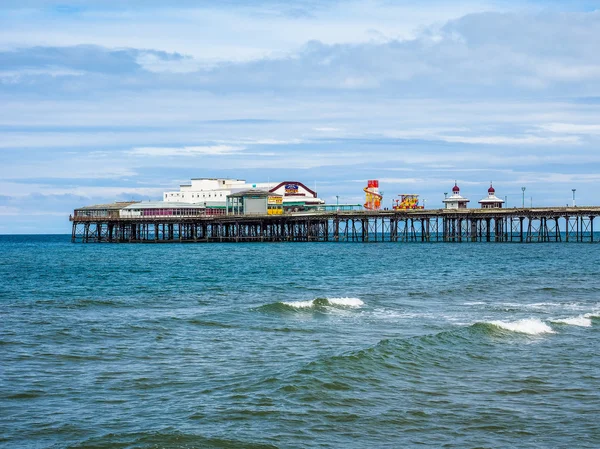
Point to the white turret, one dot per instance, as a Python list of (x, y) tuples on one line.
[(456, 201), (492, 201)]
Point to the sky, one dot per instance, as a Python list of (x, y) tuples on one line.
[(116, 100)]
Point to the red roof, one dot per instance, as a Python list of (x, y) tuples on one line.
[(491, 189), (455, 188)]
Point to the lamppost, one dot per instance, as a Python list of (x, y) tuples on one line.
[(337, 202), (573, 196), (424, 203), (523, 190)]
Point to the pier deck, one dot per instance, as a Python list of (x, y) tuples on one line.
[(560, 224)]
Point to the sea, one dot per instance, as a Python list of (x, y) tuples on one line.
[(299, 345)]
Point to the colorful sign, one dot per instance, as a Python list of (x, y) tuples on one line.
[(291, 189), (275, 200)]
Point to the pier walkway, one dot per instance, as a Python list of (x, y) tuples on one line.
[(561, 224)]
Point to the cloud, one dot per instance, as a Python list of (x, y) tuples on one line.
[(508, 140), (212, 150), (572, 128), (86, 58), (263, 141), (484, 54), (17, 76), (327, 129), (222, 31)]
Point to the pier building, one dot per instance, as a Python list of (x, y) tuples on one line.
[(455, 201), (491, 201), (162, 209), (254, 202), (213, 193), (110, 210)]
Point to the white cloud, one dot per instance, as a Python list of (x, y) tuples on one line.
[(212, 150), (327, 129), (17, 76), (9, 211), (510, 140), (153, 63), (206, 32), (572, 128), (261, 141), (22, 190), (417, 181)]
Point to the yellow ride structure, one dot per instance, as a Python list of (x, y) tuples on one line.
[(408, 201)]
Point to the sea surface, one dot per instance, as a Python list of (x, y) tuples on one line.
[(298, 345)]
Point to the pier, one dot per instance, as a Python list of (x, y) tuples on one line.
[(522, 225)]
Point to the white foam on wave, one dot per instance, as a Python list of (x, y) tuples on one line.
[(346, 302), (547, 307), (341, 302), (299, 304), (531, 326), (474, 303), (592, 314), (582, 321)]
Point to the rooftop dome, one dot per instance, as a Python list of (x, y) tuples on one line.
[(491, 189), (455, 189)]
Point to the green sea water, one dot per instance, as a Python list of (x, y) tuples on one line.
[(324, 345)]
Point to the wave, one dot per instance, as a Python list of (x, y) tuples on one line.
[(530, 326), (340, 302), (404, 358), (313, 304), (168, 439), (408, 359), (79, 303), (581, 320), (543, 307), (209, 323)]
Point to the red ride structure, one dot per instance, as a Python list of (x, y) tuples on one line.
[(373, 197)]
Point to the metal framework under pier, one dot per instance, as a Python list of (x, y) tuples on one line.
[(470, 225)]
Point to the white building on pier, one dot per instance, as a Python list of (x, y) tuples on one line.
[(491, 201), (455, 201), (213, 193)]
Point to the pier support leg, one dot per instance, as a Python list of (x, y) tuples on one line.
[(521, 219)]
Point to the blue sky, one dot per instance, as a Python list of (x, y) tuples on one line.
[(113, 100)]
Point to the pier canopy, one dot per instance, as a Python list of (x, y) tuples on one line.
[(254, 202), (110, 210), (162, 209)]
